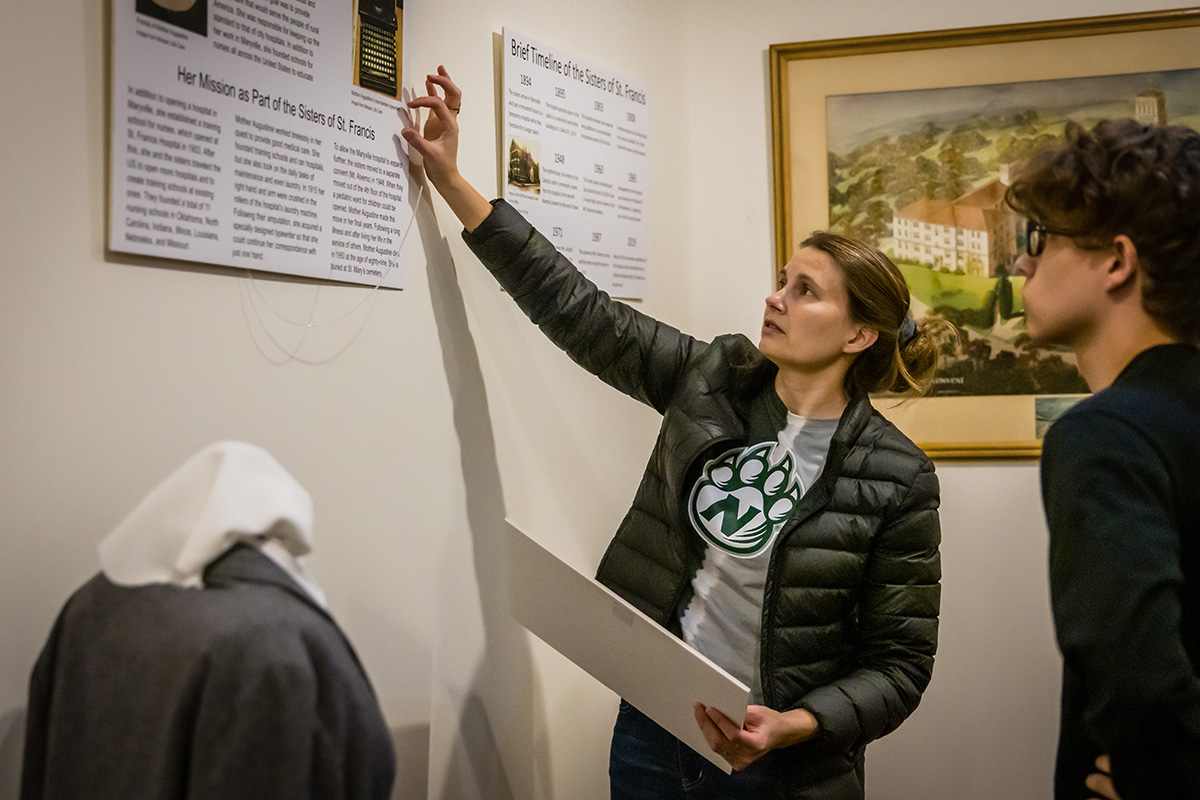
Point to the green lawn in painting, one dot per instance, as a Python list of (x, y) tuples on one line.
[(939, 288)]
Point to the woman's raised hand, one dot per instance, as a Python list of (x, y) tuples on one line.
[(438, 143), (438, 146)]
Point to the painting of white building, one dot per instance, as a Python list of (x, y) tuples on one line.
[(922, 175), (975, 233)]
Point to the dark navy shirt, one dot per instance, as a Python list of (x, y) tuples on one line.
[(1121, 485)]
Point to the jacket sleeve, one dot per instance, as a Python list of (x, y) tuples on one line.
[(1116, 578), (632, 352), (897, 626)]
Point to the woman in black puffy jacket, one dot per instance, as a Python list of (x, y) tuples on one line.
[(783, 527)]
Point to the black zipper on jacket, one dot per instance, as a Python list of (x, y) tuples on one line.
[(810, 504)]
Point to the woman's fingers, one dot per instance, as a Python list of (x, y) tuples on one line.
[(415, 140), (437, 106), (436, 139), (712, 731), (432, 102), (449, 87), (1102, 785), (442, 109), (726, 725), (712, 734), (1101, 782)]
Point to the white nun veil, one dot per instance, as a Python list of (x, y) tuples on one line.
[(229, 492)]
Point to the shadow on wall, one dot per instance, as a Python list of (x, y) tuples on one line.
[(12, 749), (411, 746), (495, 732)]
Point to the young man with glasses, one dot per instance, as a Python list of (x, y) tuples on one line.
[(1112, 270)]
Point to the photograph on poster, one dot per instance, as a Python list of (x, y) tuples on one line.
[(191, 15), (524, 167), (378, 48), (908, 141)]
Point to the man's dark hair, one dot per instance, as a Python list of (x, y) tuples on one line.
[(1123, 177)]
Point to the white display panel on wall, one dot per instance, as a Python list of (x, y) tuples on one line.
[(259, 133), (576, 141)]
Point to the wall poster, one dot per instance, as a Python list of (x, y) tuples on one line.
[(575, 163), (260, 134)]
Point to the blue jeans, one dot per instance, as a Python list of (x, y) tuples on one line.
[(648, 763)]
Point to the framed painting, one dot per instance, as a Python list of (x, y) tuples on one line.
[(908, 141)]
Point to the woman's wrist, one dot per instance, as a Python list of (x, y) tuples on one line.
[(445, 183), (799, 726), (468, 205)]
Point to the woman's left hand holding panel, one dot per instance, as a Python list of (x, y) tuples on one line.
[(764, 730)]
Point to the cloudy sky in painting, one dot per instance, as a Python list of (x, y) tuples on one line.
[(853, 119)]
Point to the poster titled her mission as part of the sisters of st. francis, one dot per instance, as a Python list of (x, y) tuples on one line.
[(260, 134)]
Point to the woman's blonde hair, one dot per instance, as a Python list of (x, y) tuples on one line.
[(904, 357)]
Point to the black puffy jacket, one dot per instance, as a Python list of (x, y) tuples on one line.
[(851, 599)]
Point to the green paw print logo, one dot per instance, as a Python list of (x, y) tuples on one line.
[(742, 499)]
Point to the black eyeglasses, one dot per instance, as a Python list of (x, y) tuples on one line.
[(1035, 236)]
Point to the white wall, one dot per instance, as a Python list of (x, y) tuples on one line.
[(447, 411)]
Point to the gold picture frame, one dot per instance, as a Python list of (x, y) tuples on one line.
[(804, 74)]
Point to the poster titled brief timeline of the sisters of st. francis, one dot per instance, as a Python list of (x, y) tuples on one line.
[(576, 142), (260, 134)]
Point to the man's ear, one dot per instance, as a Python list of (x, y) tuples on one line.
[(863, 338), (1123, 264)]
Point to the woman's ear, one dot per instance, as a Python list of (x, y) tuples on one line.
[(863, 338)]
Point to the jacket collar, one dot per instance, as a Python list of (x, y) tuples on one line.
[(854, 420), (244, 564), (1156, 359)]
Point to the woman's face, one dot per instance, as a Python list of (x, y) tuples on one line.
[(807, 325)]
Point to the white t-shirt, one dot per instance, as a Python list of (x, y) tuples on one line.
[(738, 505)]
